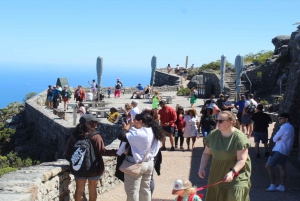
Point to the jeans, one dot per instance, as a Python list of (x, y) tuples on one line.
[(180, 135), (205, 131)]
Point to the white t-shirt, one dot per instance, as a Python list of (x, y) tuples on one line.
[(140, 141), (284, 139), (134, 111), (247, 103), (89, 96)]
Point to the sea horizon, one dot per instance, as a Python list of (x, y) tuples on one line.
[(21, 79)]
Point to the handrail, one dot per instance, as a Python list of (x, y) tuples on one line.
[(244, 72)]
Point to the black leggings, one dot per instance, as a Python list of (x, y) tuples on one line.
[(180, 135)]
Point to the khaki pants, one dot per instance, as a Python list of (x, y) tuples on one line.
[(138, 188)]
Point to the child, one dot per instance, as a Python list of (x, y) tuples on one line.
[(108, 92), (185, 191)]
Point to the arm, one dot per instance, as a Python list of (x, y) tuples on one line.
[(242, 156), (235, 105), (173, 117), (204, 160), (278, 135)]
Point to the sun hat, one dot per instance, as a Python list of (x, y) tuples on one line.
[(181, 184), (88, 118)]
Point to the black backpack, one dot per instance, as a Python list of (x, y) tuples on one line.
[(96, 85), (118, 86), (251, 108), (83, 160)]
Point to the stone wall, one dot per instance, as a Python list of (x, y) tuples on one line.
[(50, 181), (162, 78)]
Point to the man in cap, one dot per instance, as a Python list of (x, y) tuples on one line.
[(168, 118), (284, 139), (246, 118), (260, 132), (240, 107), (135, 110), (227, 104)]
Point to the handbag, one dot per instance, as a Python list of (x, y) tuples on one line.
[(133, 169)]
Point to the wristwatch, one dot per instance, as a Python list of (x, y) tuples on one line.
[(235, 173)]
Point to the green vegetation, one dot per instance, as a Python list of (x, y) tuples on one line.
[(183, 92), (29, 95), (259, 58), (264, 102), (213, 66), (9, 160)]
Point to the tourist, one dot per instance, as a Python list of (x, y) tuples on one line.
[(66, 95), (134, 111), (207, 122), (177, 69), (220, 101), (193, 96), (179, 127), (144, 136), (240, 108), (108, 92), (185, 191), (246, 117), (185, 74), (260, 132), (214, 107), (88, 125), (89, 95), (284, 139), (81, 109), (126, 117), (49, 97), (169, 68), (140, 90), (118, 88), (168, 118), (155, 100), (258, 100), (228, 148), (207, 103), (55, 94), (94, 86), (227, 104), (113, 116), (191, 123), (79, 94)]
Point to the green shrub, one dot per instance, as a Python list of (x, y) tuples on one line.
[(183, 92), (214, 65), (264, 102), (29, 95), (7, 170), (258, 58)]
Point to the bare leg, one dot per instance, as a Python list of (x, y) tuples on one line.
[(244, 128), (171, 139), (282, 174), (80, 184), (188, 142), (193, 142), (93, 190), (163, 142), (250, 126), (271, 173)]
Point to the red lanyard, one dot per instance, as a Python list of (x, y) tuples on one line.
[(207, 186)]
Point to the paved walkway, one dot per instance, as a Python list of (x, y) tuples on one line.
[(184, 164)]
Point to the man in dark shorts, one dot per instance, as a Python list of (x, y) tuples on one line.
[(284, 139), (260, 132), (240, 108), (168, 118)]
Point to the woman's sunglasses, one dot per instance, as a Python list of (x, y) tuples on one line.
[(220, 120)]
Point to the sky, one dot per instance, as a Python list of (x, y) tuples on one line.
[(128, 33)]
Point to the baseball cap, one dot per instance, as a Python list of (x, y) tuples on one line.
[(226, 95), (284, 115), (243, 96), (162, 102), (181, 184), (135, 101), (87, 118), (49, 86)]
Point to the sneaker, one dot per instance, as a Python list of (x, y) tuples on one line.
[(257, 155), (280, 188), (163, 148), (131, 97), (267, 154), (172, 149), (271, 188), (176, 146)]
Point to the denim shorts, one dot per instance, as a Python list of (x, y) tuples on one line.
[(277, 159), (260, 136), (50, 98), (246, 119), (168, 129), (205, 132), (87, 178)]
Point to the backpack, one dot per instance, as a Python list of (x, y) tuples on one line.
[(96, 85), (83, 160), (118, 86), (251, 108)]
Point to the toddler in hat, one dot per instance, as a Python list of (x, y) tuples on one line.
[(185, 191)]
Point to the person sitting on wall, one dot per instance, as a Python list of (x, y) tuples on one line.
[(177, 69), (169, 68), (113, 116), (138, 92)]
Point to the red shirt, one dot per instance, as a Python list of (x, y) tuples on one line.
[(167, 115), (180, 122)]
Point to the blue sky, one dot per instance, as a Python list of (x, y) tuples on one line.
[(128, 33)]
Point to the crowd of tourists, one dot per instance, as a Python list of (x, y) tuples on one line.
[(143, 137)]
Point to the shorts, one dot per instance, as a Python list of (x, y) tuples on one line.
[(277, 159), (65, 99), (87, 178), (246, 119), (239, 116), (50, 98), (260, 136), (168, 129)]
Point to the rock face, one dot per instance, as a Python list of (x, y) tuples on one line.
[(279, 41)]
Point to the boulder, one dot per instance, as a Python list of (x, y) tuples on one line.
[(279, 41), (195, 81)]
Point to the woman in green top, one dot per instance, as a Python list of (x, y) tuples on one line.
[(155, 100), (228, 148), (193, 97)]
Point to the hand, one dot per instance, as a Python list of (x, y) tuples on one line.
[(126, 126), (167, 123), (229, 177), (202, 173)]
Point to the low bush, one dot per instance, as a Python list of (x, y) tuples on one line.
[(183, 92)]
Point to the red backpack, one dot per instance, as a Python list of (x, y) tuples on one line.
[(191, 197)]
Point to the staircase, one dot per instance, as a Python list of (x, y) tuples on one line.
[(230, 81)]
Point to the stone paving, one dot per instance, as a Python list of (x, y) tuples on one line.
[(184, 164)]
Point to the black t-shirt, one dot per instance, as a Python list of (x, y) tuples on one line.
[(261, 121)]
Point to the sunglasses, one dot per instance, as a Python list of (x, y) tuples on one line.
[(220, 120)]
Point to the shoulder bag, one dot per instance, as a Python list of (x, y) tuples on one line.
[(134, 169)]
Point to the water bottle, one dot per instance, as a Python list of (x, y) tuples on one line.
[(176, 133)]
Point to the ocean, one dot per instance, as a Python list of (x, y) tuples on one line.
[(17, 80)]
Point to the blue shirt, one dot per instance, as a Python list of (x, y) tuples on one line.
[(140, 88), (55, 92), (241, 105)]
